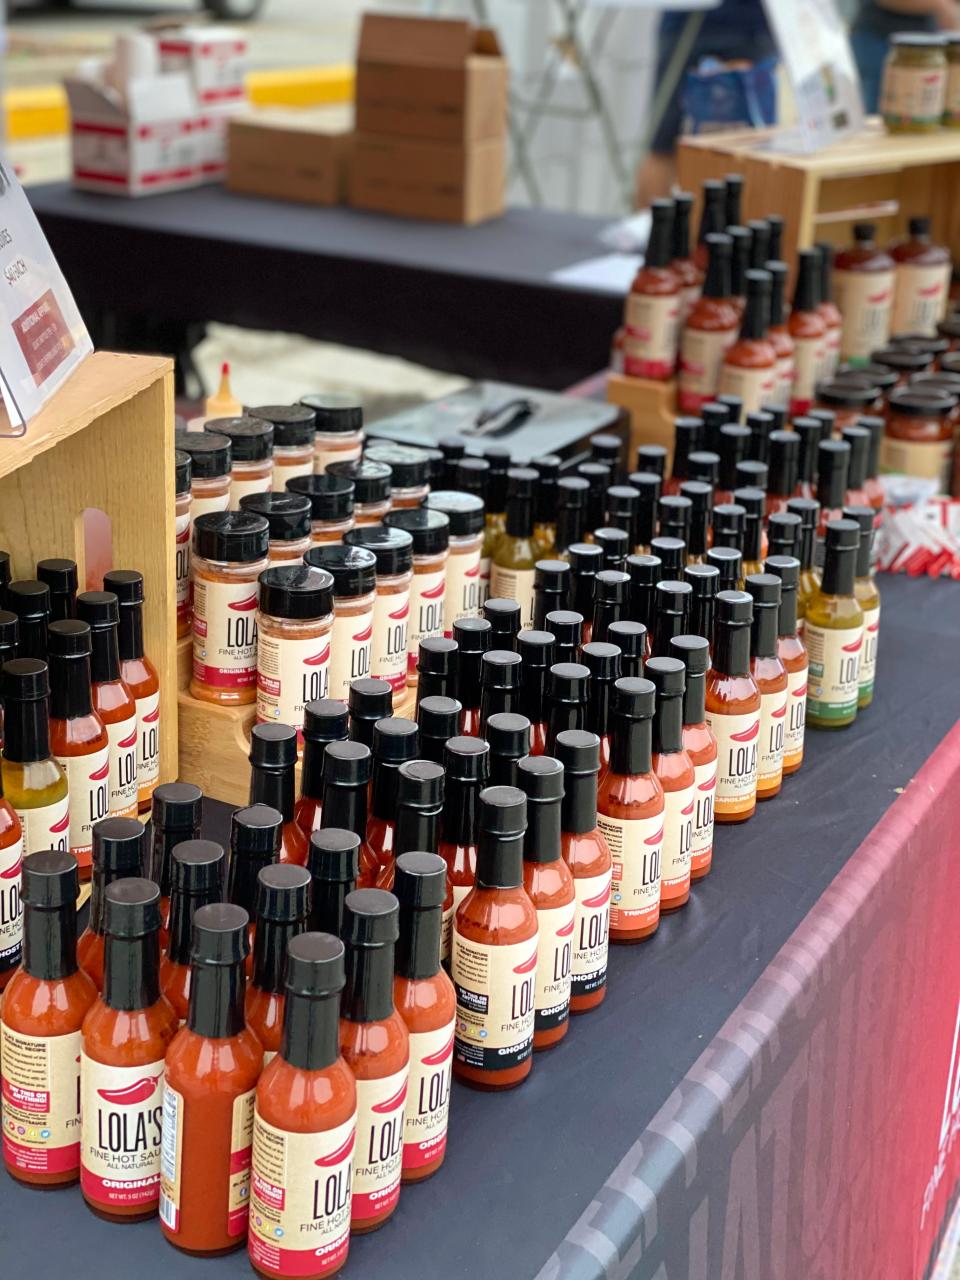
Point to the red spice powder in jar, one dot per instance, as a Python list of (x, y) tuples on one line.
[(466, 513), (339, 433), (183, 471), (288, 518), (904, 360), (371, 488), (295, 623), (211, 457), (847, 399), (294, 426), (430, 531), (354, 571), (251, 440), (393, 549), (918, 440), (410, 467), (331, 505)]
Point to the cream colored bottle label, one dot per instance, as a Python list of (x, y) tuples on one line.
[(652, 320), (428, 1096), (388, 657), (636, 847), (796, 717), (755, 387), (831, 353), (678, 815), (322, 457), (865, 300), (514, 584), (290, 673), (282, 472), (460, 891), (927, 460), (807, 353), (40, 1112), (462, 596), (171, 1160), (920, 298), (551, 999), (868, 654), (48, 826), (704, 792), (148, 741), (88, 783), (202, 505), (951, 104), (591, 933), (300, 1199), (786, 372), (241, 488), (123, 737), (183, 564), (379, 1155), (496, 987), (913, 95), (701, 359), (351, 642), (773, 721), (834, 673), (11, 905), (486, 568), (737, 752), (225, 634), (427, 592), (121, 1112)]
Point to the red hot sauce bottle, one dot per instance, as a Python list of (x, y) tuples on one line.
[(793, 654), (332, 862), (808, 330), (323, 721), (283, 911), (346, 779), (494, 953), (750, 364), (112, 699), (175, 817), (770, 677), (376, 1047), (630, 814), (733, 708), (425, 999), (119, 845), (653, 304), (209, 1085), (675, 771), (711, 327), (198, 876), (395, 741), (43, 1010), (254, 844), (779, 334), (700, 745), (140, 676), (467, 762), (273, 763)]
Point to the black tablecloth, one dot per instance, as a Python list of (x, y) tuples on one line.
[(472, 300), (522, 1166)]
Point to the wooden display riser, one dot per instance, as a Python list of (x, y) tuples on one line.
[(215, 740), (652, 409)]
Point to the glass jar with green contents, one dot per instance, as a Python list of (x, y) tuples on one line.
[(914, 82), (833, 632)]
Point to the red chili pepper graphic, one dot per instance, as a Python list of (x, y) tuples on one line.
[(152, 716), (688, 810), (131, 741), (364, 636), (391, 1104), (11, 873), (747, 735), (435, 592), (875, 299), (528, 966), (874, 626), (472, 573), (184, 536), (801, 692), (318, 659), (441, 1055), (132, 1094), (566, 931), (338, 1156), (775, 715), (652, 840), (400, 613), (98, 775), (244, 605), (709, 784), (853, 648), (599, 899), (930, 291), (62, 825)]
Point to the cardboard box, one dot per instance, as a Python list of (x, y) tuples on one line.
[(213, 57), (438, 78), (290, 155), (446, 182)]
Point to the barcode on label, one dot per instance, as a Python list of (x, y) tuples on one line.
[(168, 1143), (168, 1212)]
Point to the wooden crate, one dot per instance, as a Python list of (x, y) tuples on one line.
[(104, 443), (652, 409), (875, 177)]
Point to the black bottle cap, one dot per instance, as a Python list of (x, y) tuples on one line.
[(567, 681), (752, 474), (287, 514), (347, 763), (668, 675), (629, 638), (283, 892), (704, 465), (602, 659), (652, 458), (498, 456), (783, 533), (716, 414), (634, 698), (808, 509), (547, 467), (393, 548), (467, 759), (675, 513), (371, 480), (687, 438), (759, 230), (420, 782), (648, 484), (370, 700), (644, 571), (60, 575), (541, 779), (700, 496), (25, 680), (132, 907), (438, 718), (734, 442), (465, 511), (703, 580), (504, 618), (228, 536), (585, 558), (429, 529), (598, 476), (336, 411), (250, 438), (729, 562), (623, 506), (330, 497), (673, 596), (572, 492), (472, 634), (353, 569), (753, 501), (68, 638), (220, 935), (903, 359), (566, 627), (578, 751), (610, 586), (503, 811), (786, 568), (296, 591), (858, 438), (315, 966), (256, 831), (50, 880), (508, 734), (420, 881), (100, 609), (211, 456), (693, 652), (733, 608), (606, 448), (843, 393), (452, 447), (784, 461), (865, 518), (118, 846), (293, 424), (764, 588), (395, 738), (370, 918), (197, 866), (176, 805), (409, 465), (29, 598), (552, 576), (324, 720), (672, 553), (501, 669), (9, 632), (273, 746), (535, 648), (833, 462), (728, 523), (469, 475), (437, 656), (334, 855)]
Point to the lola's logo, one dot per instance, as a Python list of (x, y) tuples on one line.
[(338, 1156), (746, 735), (434, 593), (363, 636), (99, 775), (709, 784), (318, 659), (390, 1104), (599, 899), (131, 1095), (441, 1055), (152, 716), (12, 871), (58, 828), (245, 605), (130, 741), (528, 966)]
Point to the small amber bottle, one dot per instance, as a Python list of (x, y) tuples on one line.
[(733, 708), (675, 772), (833, 632)]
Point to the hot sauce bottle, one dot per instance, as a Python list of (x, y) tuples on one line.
[(712, 218), (437, 720), (60, 577), (691, 276), (833, 464), (426, 1001), (654, 304), (44, 1005), (33, 782), (586, 560), (753, 501), (494, 953), (567, 684), (793, 655), (509, 739), (305, 1126), (808, 509), (868, 597), (549, 884), (467, 764), (631, 639), (283, 911), (922, 286), (750, 364), (547, 467), (700, 497), (675, 772), (198, 879), (118, 852), (112, 699), (516, 552), (711, 327), (255, 835), (783, 464), (630, 814), (770, 677), (830, 312), (566, 627), (376, 1046), (833, 632), (140, 676), (437, 662), (346, 781), (419, 806), (610, 588), (700, 745), (645, 572), (858, 438), (323, 721), (587, 854), (500, 673), (11, 906), (623, 510), (759, 230), (648, 484), (505, 616), (808, 330), (863, 278), (370, 701), (125, 1038), (779, 334), (333, 863), (704, 582), (739, 264), (209, 1087), (673, 599), (395, 740), (30, 601), (536, 658), (273, 762), (734, 442), (733, 709), (687, 439), (78, 739), (472, 635), (602, 660)]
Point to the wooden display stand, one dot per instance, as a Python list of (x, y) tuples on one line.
[(877, 177), (652, 409)]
